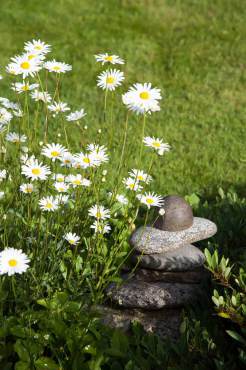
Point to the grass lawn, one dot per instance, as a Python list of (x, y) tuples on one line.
[(193, 50)]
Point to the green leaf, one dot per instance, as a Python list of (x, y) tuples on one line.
[(20, 365), (45, 363), (21, 350), (236, 336), (208, 256)]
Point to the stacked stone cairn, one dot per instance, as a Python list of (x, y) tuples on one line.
[(166, 271)]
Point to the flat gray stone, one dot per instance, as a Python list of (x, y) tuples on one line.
[(149, 240), (188, 277), (184, 258), (152, 296), (164, 323)]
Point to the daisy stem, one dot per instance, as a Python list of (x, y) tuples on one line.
[(143, 130), (121, 158), (105, 105), (13, 286)]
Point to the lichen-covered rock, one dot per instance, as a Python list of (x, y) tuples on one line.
[(184, 258), (149, 240), (164, 322), (152, 296)]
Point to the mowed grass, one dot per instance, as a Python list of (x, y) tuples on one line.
[(195, 51)]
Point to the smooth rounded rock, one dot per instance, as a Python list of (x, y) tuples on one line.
[(149, 240), (178, 214), (186, 277), (184, 258), (152, 296)]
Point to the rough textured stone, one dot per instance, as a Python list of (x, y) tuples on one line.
[(178, 214), (182, 259), (149, 240), (152, 296), (164, 322), (188, 277)]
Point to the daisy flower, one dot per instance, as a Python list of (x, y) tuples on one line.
[(100, 228), (151, 199), (21, 87), (72, 238), (99, 212), (77, 115), (3, 175), (5, 116), (121, 199), (27, 188), (78, 180), (59, 177), (44, 96), (58, 107), (37, 46), (132, 184), (25, 66), (109, 80), (6, 103), (34, 55), (18, 113), (57, 67), (61, 187), (12, 69), (140, 175), (53, 151), (86, 160), (67, 160), (13, 261), (35, 170), (13, 137), (61, 199), (49, 204), (156, 144), (142, 98), (98, 152), (106, 58)]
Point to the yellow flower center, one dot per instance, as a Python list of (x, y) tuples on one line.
[(36, 171), (12, 263), (149, 201), (38, 47), (71, 241), (98, 214), (29, 190), (131, 186), (25, 88), (60, 179), (144, 95), (56, 68), (49, 205), (31, 56), (55, 153), (77, 182), (109, 58), (140, 178), (25, 65), (86, 160), (66, 161), (156, 144), (110, 80)]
